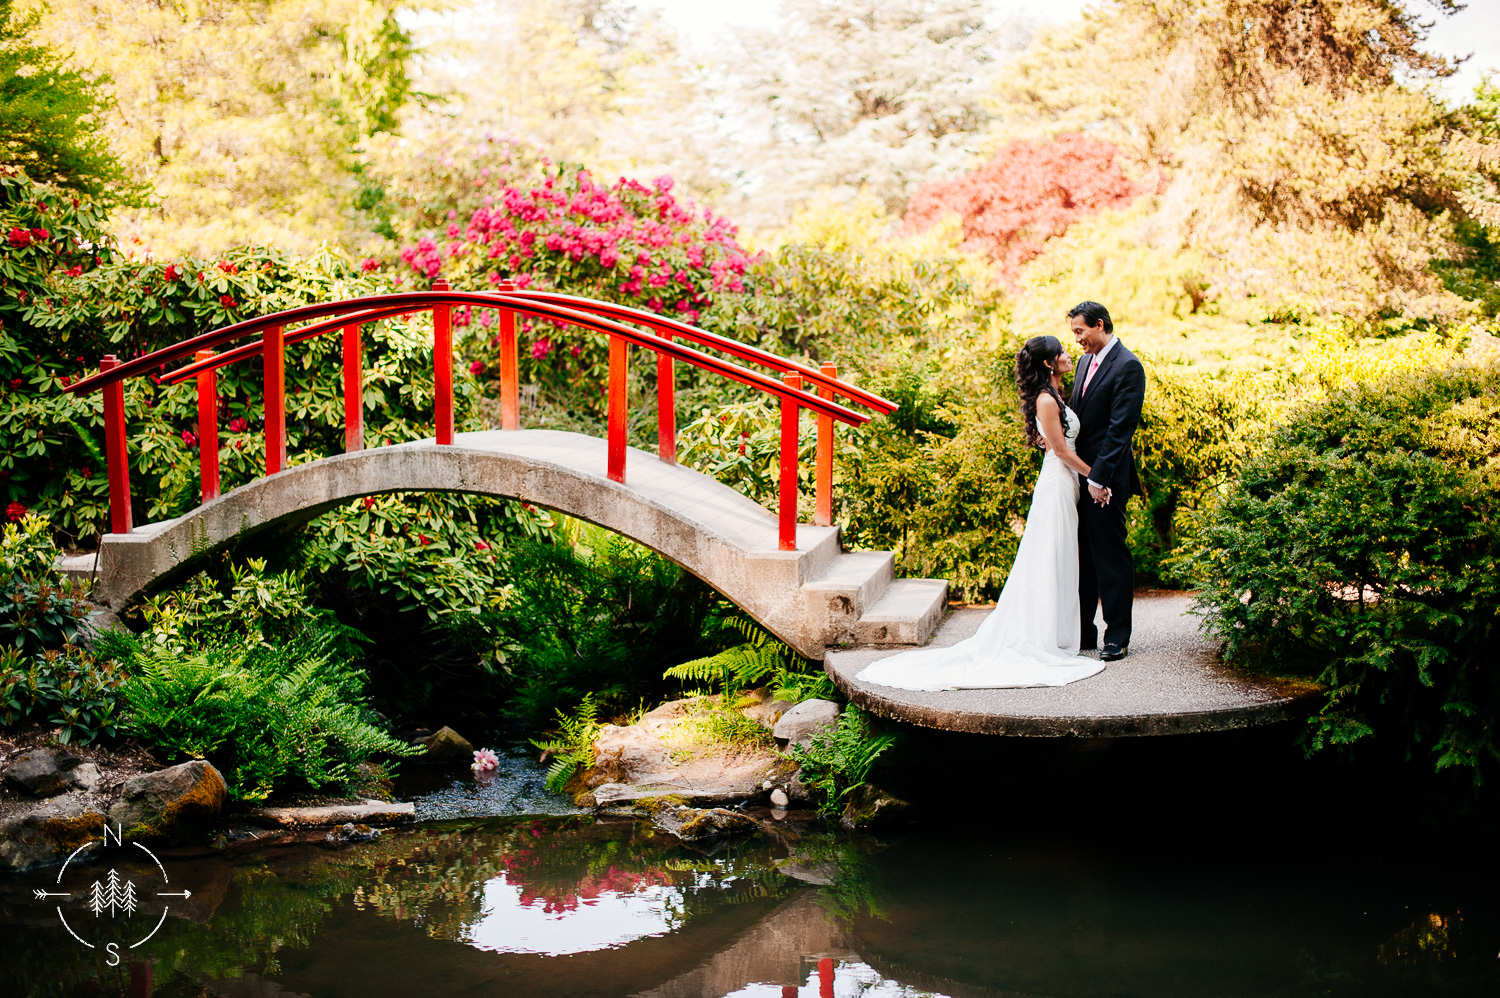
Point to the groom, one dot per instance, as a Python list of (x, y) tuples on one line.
[(1108, 390)]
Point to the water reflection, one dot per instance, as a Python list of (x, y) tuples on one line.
[(575, 906)]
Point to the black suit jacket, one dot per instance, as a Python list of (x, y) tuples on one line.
[(1109, 413)]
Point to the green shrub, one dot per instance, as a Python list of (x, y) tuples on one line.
[(66, 687), (1361, 547), (39, 610), (268, 717), (599, 615), (945, 481), (837, 761)]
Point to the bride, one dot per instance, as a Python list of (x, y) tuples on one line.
[(1031, 638)]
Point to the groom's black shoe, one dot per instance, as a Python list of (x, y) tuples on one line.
[(1113, 653)]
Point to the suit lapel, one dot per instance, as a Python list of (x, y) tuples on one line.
[(1104, 367)]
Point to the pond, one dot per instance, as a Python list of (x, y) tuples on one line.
[(1010, 903)]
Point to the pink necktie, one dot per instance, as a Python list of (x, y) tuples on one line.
[(1089, 379)]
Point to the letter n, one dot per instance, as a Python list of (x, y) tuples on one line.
[(117, 833)]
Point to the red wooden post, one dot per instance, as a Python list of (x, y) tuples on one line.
[(208, 427), (787, 517), (823, 509), (825, 978), (666, 406), (510, 367), (442, 359), (619, 373), (354, 389), (116, 460), (273, 360)]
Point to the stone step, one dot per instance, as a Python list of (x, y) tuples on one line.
[(860, 576), (906, 614), (844, 588)]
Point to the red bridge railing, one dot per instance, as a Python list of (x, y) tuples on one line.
[(799, 386)]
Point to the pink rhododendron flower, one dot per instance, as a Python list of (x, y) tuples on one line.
[(19, 238), (228, 302), (189, 438), (476, 368), (15, 511), (541, 348), (369, 263), (485, 761)]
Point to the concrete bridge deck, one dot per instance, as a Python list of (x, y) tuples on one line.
[(1170, 683), (813, 597)]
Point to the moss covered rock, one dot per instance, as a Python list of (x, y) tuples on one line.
[(170, 804), (48, 834)]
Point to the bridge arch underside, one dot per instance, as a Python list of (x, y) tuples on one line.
[(724, 538)]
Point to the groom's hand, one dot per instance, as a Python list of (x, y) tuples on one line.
[(1100, 496)]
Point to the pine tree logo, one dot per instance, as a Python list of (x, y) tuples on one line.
[(112, 896)]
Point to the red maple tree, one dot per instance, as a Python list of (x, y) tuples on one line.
[(1030, 192)]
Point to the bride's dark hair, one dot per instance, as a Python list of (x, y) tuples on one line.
[(1033, 377)]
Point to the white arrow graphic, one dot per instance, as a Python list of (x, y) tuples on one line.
[(174, 894), (40, 894)]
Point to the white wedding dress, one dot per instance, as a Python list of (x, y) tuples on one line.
[(1031, 637)]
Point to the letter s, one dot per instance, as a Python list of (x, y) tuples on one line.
[(114, 953)]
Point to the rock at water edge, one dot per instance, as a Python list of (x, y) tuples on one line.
[(44, 773), (798, 725), (870, 805), (48, 833), (445, 744), (170, 804), (692, 824)]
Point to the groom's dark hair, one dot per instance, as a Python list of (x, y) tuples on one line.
[(1094, 314)]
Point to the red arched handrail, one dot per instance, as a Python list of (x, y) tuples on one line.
[(603, 317)]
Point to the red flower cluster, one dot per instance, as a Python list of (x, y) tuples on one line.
[(171, 273), (228, 267), (21, 238), (368, 264), (238, 425), (15, 511), (228, 302), (190, 438)]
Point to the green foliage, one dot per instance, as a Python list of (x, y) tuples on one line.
[(947, 482), (758, 656), (64, 687), (435, 554), (572, 747), (596, 616), (837, 761), (52, 116), (268, 717), (70, 298), (1360, 547), (38, 609), (44, 678)]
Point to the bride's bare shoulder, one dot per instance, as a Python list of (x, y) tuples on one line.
[(1046, 403)]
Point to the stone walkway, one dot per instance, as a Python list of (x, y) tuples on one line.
[(1170, 683)]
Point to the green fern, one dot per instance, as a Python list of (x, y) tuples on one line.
[(573, 746), (837, 761), (758, 656)]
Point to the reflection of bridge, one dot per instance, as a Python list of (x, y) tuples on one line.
[(794, 578)]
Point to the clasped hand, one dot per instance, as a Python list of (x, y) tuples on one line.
[(1101, 496)]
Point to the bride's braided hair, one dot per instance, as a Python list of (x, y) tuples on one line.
[(1033, 377)]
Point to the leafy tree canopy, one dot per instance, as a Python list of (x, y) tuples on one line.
[(51, 115)]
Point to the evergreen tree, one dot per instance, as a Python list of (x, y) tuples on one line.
[(51, 115)]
